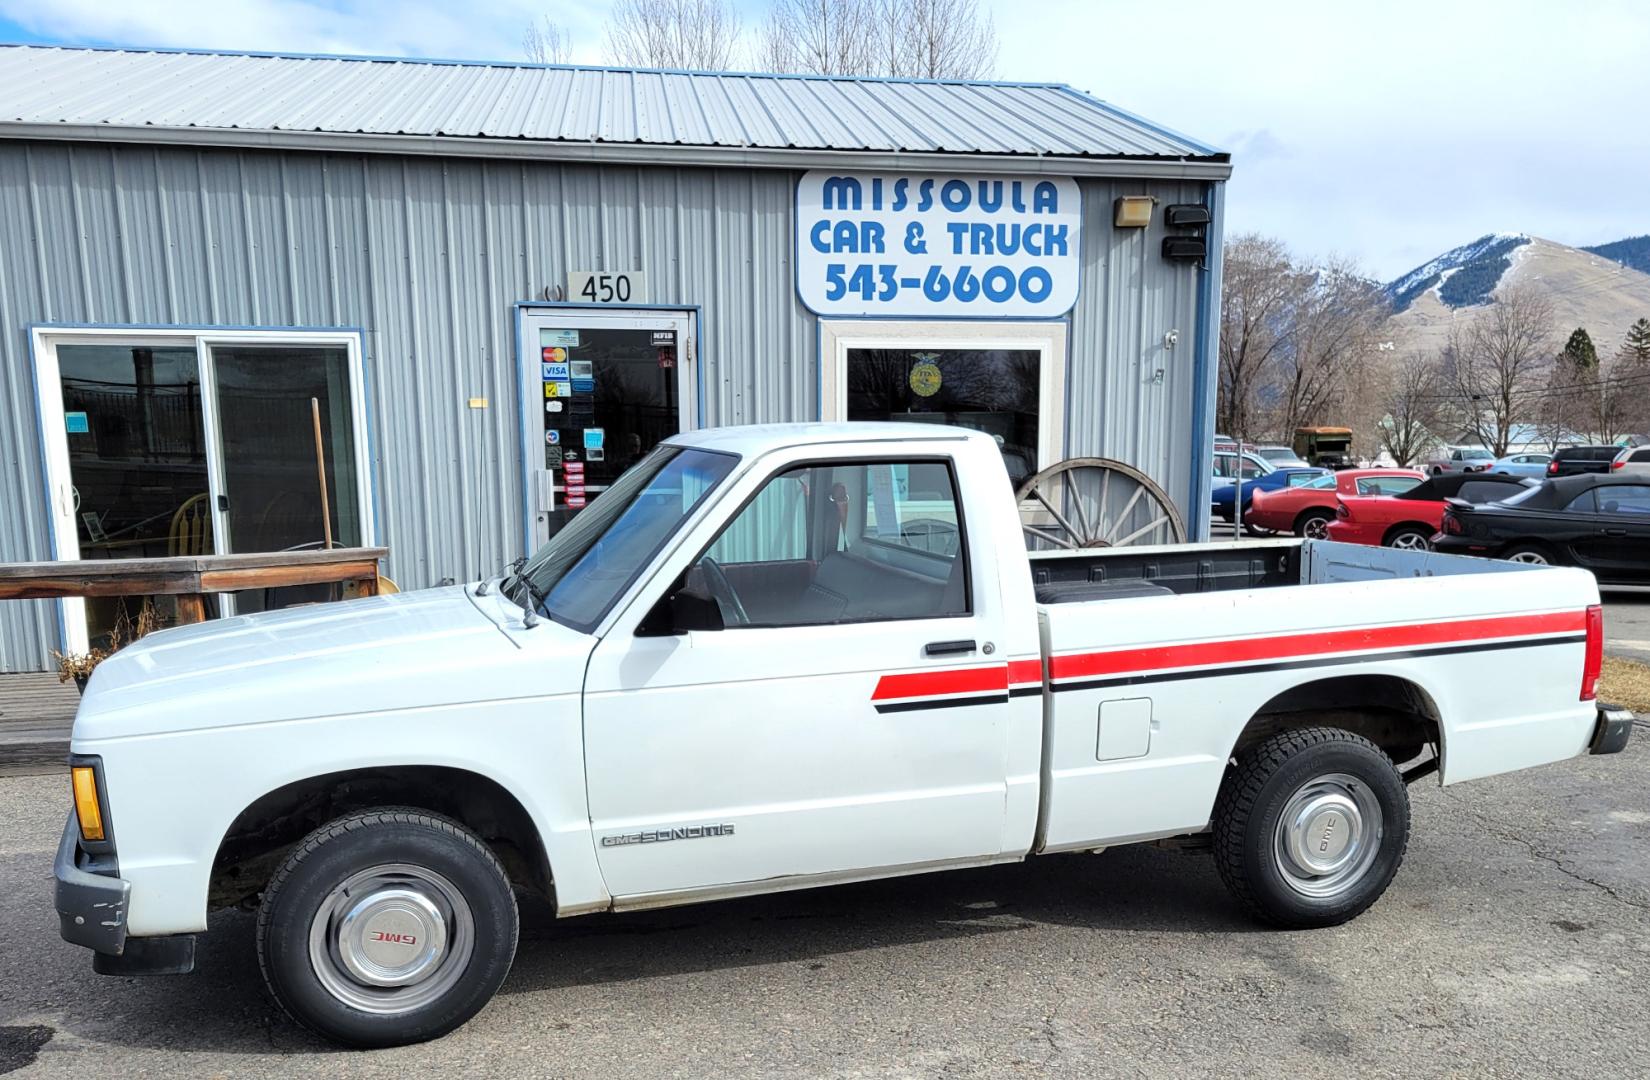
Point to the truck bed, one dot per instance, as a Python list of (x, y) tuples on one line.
[(1061, 577)]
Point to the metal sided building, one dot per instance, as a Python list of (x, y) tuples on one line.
[(461, 297)]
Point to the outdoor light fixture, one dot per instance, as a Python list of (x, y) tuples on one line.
[(1192, 247), (1184, 248), (1134, 211), (1186, 216)]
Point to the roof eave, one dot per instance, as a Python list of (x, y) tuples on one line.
[(1212, 167)]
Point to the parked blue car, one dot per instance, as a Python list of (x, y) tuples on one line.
[(1282, 478), (1521, 465)]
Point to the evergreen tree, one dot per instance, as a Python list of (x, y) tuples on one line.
[(1638, 341), (1579, 352)]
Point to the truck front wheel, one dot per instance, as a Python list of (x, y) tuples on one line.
[(1310, 826), (387, 927)]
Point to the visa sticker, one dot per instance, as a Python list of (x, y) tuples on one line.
[(554, 372), (76, 423)]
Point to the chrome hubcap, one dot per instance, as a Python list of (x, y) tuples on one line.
[(1328, 835), (1529, 557), (1410, 541), (1316, 528), (391, 939)]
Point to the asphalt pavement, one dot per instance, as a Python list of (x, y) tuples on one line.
[(1627, 623), (1515, 942)]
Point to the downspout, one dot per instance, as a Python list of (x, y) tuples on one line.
[(1205, 368)]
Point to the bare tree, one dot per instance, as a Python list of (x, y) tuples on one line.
[(1257, 298), (1413, 402), (818, 37), (545, 42), (700, 35), (926, 39), (1495, 362), (1333, 335)]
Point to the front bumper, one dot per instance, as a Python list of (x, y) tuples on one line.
[(91, 912), (1614, 728), (91, 908), (1346, 532)]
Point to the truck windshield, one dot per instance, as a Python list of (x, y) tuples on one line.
[(587, 566)]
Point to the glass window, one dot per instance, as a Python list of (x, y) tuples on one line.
[(1640, 456), (1623, 499), (1386, 485), (137, 464), (1300, 479), (834, 543), (590, 563), (1323, 483), (270, 454), (989, 390), (1583, 503)]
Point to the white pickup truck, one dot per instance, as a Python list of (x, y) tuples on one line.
[(779, 657)]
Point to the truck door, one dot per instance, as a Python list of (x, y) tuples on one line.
[(850, 715)]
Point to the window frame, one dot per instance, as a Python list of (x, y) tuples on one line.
[(64, 538), (1049, 339), (963, 550)]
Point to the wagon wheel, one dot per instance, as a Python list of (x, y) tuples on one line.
[(1095, 502)]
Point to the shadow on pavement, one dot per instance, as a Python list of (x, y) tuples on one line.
[(222, 1006)]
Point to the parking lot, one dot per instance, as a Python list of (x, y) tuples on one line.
[(1514, 942)]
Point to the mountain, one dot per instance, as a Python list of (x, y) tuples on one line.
[(1463, 276), (1588, 290), (1633, 251)]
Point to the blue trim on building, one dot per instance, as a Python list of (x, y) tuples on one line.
[(1206, 365)]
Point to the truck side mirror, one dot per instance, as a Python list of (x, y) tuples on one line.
[(679, 611)]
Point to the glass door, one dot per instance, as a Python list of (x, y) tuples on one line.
[(134, 433), (197, 442), (287, 457), (599, 390), (1005, 379)]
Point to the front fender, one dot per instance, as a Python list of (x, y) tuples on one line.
[(174, 797)]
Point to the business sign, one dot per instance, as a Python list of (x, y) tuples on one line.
[(937, 245)]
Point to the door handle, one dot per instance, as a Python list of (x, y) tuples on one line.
[(948, 648), (1614, 532)]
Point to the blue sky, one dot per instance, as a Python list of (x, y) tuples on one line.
[(1385, 132)]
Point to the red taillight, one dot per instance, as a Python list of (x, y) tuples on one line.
[(1341, 511), (1617, 464), (1452, 525), (1552, 468), (1593, 665)]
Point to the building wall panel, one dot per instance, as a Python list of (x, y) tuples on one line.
[(427, 256)]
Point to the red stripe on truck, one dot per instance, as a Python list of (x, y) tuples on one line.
[(978, 680), (1291, 646)]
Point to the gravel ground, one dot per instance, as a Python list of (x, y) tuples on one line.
[(1513, 943)]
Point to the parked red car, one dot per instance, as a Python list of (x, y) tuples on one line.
[(1308, 509), (1409, 519)]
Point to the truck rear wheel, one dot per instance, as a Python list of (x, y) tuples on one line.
[(387, 927), (1310, 826)]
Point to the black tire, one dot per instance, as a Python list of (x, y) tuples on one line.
[(1303, 522), (1272, 777), (1256, 530), (1394, 537), (466, 976)]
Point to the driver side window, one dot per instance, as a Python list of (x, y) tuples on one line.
[(831, 543)]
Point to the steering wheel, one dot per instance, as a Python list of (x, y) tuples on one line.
[(722, 589)]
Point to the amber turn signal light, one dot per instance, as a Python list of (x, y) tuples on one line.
[(85, 802)]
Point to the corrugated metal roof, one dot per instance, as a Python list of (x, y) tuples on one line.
[(258, 94)]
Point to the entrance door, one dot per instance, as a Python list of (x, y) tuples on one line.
[(849, 715), (600, 389), (1005, 379), (197, 442)]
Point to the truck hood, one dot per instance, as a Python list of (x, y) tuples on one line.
[(430, 648)]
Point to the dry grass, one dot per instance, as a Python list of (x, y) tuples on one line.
[(1626, 682)]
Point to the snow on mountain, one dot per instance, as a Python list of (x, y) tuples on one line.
[(1586, 290), (1484, 260)]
